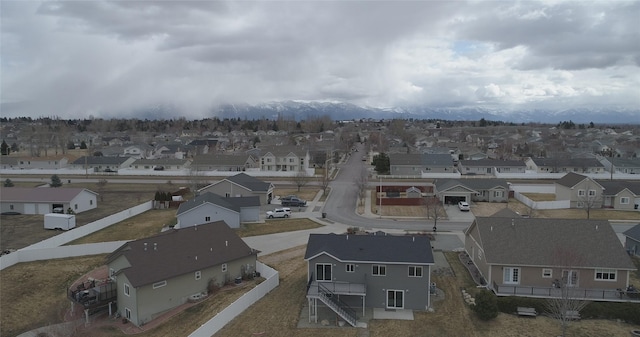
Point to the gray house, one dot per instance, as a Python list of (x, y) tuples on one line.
[(101, 163), (632, 240), (242, 185), (491, 166), (537, 257), (161, 272), (224, 162), (450, 191), (43, 200), (354, 268), (622, 195), (416, 164), (564, 165), (210, 207)]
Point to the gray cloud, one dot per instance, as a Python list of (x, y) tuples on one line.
[(71, 58)]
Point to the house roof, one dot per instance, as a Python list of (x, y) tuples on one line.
[(222, 160), (572, 179), (100, 160), (625, 162), (180, 251), (366, 248), (633, 232), (567, 162), (546, 242), (250, 182), (421, 159), (161, 161), (40, 194), (232, 203), (473, 184), (613, 187), (493, 163)]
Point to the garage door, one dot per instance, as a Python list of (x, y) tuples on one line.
[(43, 208), (454, 199), (29, 208)]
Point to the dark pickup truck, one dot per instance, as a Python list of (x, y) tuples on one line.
[(292, 200)]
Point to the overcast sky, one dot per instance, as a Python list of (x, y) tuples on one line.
[(78, 58)]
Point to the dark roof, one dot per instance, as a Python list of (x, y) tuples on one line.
[(221, 160), (180, 251), (100, 160), (613, 187), (541, 242), (505, 213), (40, 194), (250, 182), (232, 203), (473, 184), (420, 159), (493, 163), (367, 248), (571, 179), (625, 162), (161, 161), (633, 232), (567, 162)]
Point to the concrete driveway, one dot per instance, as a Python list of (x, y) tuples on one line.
[(455, 214)]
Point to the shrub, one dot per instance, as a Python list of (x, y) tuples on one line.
[(486, 305), (628, 312), (510, 304)]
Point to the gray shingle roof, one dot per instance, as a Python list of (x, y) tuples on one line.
[(421, 159), (493, 163), (180, 251), (232, 203), (473, 184), (250, 182), (616, 186), (571, 179), (567, 162), (633, 232), (100, 160), (369, 248), (221, 160), (39, 194), (537, 242)]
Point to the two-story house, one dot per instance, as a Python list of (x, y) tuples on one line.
[(242, 185), (581, 191), (284, 158), (208, 207), (355, 269)]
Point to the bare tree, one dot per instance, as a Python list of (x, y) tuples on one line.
[(101, 185), (568, 299), (591, 198), (435, 210), (301, 179), (361, 184), (325, 179)]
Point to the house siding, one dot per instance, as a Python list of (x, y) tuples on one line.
[(532, 277), (197, 215), (250, 214), (416, 289), (224, 187), (632, 246)]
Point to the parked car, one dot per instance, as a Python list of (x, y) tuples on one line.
[(463, 206), (158, 168), (279, 213), (292, 200), (108, 170)]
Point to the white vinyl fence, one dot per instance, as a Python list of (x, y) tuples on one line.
[(241, 304), (558, 204)]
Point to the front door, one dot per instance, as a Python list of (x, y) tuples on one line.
[(570, 278), (395, 299)]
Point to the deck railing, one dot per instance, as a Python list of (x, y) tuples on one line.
[(610, 295)]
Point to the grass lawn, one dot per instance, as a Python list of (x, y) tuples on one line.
[(540, 196), (307, 192), (276, 226)]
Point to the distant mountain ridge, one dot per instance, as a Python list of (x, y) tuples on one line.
[(346, 111)]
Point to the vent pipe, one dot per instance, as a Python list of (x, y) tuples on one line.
[(155, 246)]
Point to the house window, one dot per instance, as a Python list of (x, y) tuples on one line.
[(379, 270), (415, 271), (511, 275), (207, 218), (624, 200), (592, 193), (159, 284), (112, 274), (547, 273), (580, 204), (90, 202), (75, 206), (351, 267), (581, 193), (127, 290), (323, 272), (11, 207), (395, 299), (224, 267), (498, 194), (606, 274), (198, 275), (127, 313)]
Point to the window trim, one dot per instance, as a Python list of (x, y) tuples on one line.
[(127, 289), (127, 313), (379, 270), (582, 193), (350, 268), (603, 272), (324, 274), (198, 275), (624, 200), (224, 267), (511, 279), (547, 273), (415, 270)]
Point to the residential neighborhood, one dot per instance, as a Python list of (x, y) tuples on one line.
[(382, 239)]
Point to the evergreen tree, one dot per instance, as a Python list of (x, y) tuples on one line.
[(55, 181), (381, 163), (83, 145), (4, 148), (8, 183), (486, 305)]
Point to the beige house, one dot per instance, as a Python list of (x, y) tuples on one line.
[(284, 158), (621, 195), (539, 257), (581, 191)]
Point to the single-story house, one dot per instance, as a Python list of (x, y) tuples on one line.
[(451, 191), (161, 272), (536, 257), (35, 163), (242, 185), (354, 268), (564, 165), (164, 164), (416, 164), (622, 195), (43, 200), (491, 166), (208, 207), (224, 162), (101, 163)]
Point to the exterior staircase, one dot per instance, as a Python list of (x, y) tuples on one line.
[(339, 307)]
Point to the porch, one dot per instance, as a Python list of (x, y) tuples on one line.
[(605, 295), (329, 293)]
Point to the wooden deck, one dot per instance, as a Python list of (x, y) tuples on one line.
[(338, 288), (605, 295)]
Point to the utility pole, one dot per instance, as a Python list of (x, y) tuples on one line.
[(380, 196)]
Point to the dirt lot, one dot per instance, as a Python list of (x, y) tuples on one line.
[(19, 231)]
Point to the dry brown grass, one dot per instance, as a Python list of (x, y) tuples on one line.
[(276, 226), (540, 196), (306, 192), (33, 294)]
